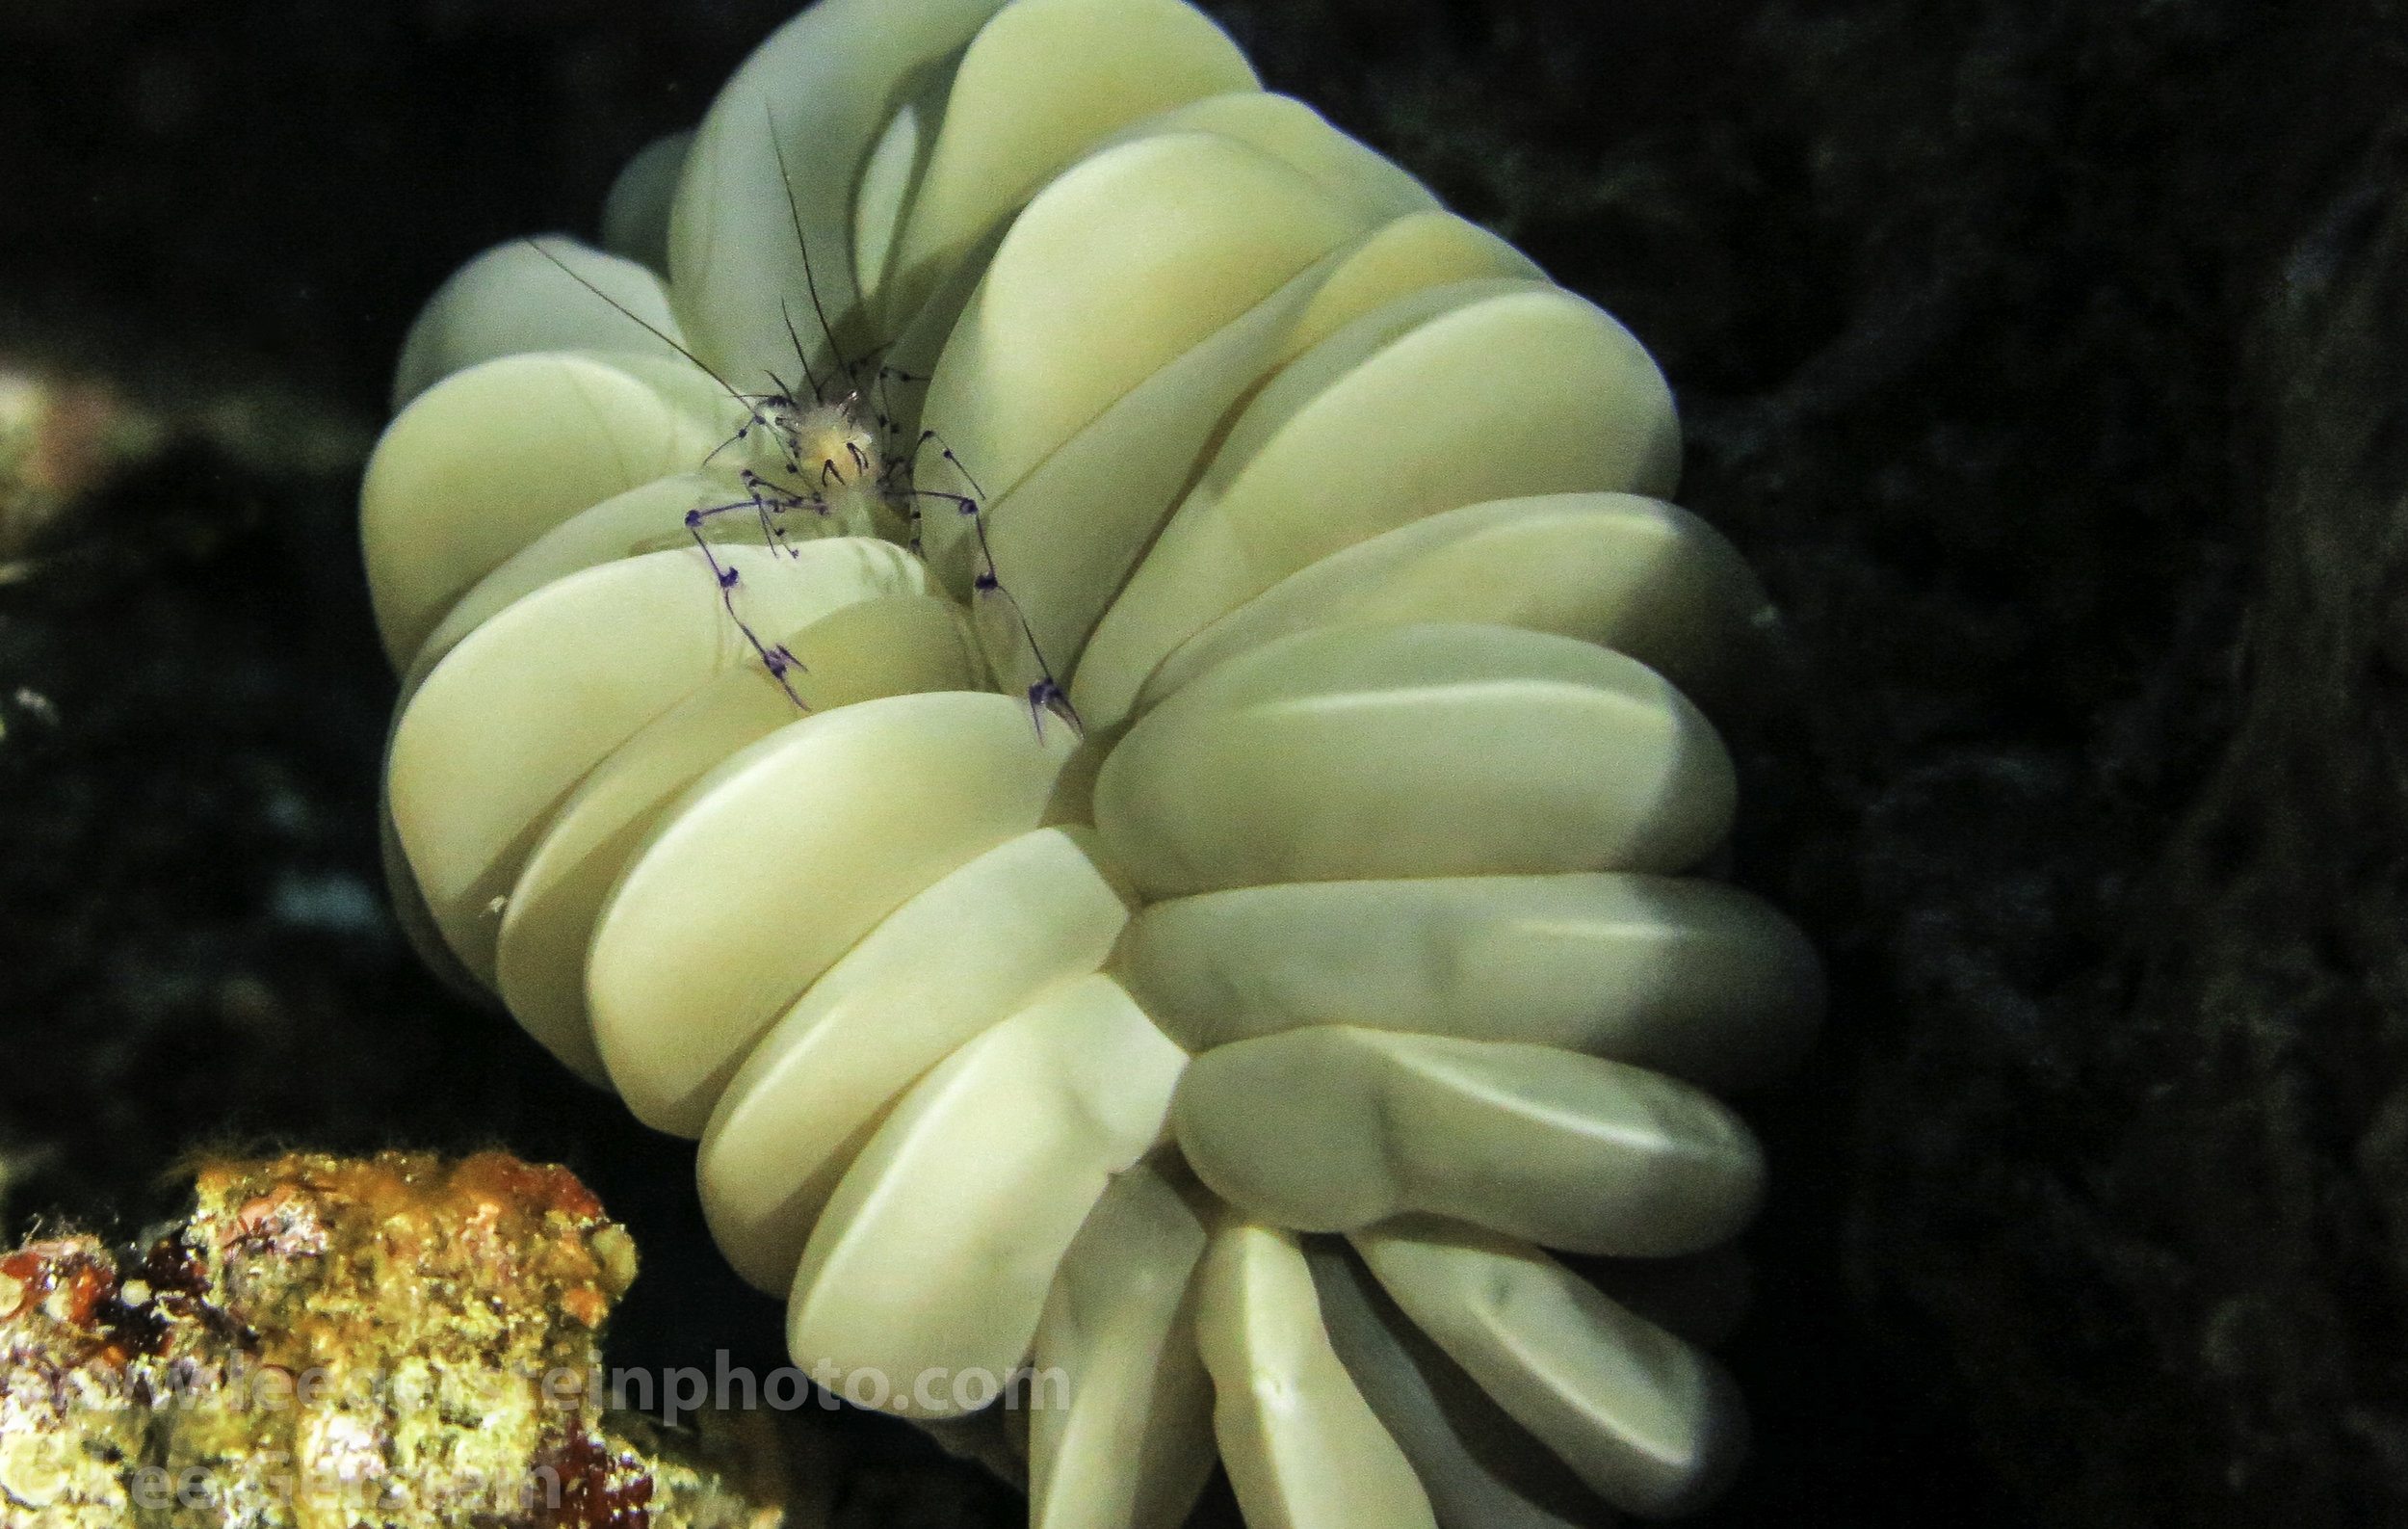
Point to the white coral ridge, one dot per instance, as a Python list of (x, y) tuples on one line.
[(1240, 1046)]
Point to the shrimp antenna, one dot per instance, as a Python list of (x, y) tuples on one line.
[(817, 396), (803, 246), (639, 319)]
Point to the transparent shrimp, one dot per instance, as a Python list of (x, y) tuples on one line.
[(826, 446)]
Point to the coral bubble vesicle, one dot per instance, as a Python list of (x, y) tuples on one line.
[(1100, 697)]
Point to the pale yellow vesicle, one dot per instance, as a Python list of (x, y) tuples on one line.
[(1486, 351), (1691, 977), (777, 860), (1134, 1446), (1361, 753), (1104, 63), (1287, 129), (1481, 1468), (1420, 250), (1456, 395), (1417, 251), (882, 645), (828, 83), (635, 214), (1333, 1127), (539, 954), (501, 730), (1065, 540), (886, 181), (514, 299), (1421, 247), (972, 949), (1065, 537), (917, 344), (1303, 1449), (650, 517), (492, 456), (1647, 1421), (937, 1248), (1636, 575), (410, 910), (1119, 267)]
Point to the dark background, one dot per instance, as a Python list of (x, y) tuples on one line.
[(2046, 358)]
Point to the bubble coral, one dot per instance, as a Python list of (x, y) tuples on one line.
[(1089, 688)]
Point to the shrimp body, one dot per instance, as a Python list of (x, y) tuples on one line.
[(827, 457)]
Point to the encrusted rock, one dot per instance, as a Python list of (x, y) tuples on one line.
[(401, 1341)]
